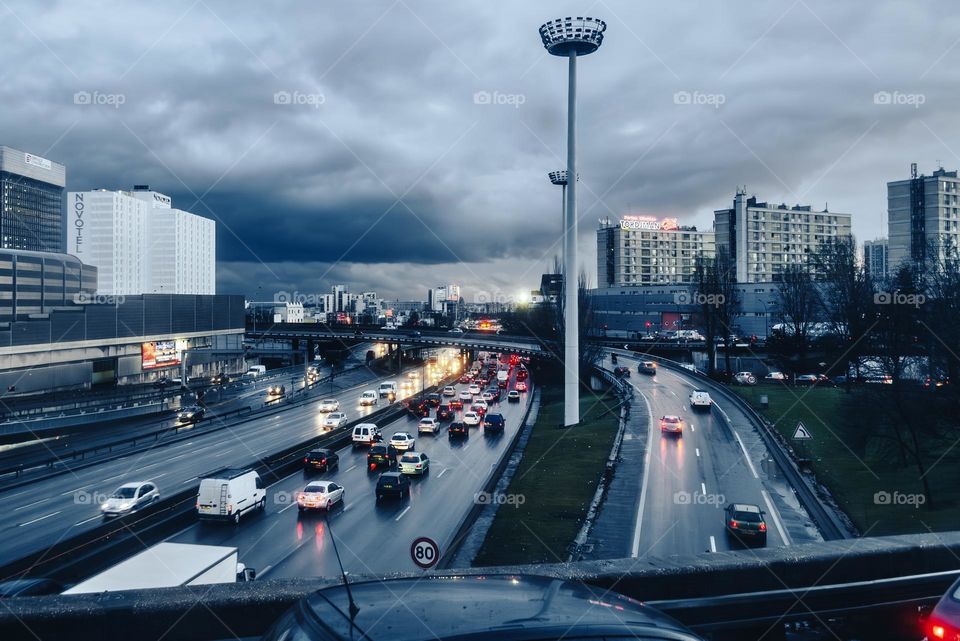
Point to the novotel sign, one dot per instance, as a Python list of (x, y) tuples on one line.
[(648, 223)]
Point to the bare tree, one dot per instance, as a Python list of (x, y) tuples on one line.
[(719, 299), (799, 303)]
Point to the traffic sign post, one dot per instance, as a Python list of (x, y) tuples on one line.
[(425, 552), (802, 433)]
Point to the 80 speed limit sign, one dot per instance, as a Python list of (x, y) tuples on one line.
[(425, 552)]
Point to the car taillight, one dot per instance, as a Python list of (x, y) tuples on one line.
[(937, 631), (306, 460), (323, 461), (763, 527), (733, 523)]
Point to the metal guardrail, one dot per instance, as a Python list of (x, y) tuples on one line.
[(826, 521)]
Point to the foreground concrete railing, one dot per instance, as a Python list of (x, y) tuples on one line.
[(247, 609)]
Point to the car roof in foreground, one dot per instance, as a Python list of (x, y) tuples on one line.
[(746, 507), (508, 607)]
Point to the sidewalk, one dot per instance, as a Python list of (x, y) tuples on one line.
[(611, 536)]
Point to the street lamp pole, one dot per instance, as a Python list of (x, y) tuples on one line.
[(569, 38)]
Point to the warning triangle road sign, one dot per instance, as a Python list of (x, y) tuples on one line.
[(802, 433)]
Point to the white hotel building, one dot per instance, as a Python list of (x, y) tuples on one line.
[(644, 250), (140, 244)]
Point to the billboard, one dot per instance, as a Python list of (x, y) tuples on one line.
[(159, 354), (648, 223)]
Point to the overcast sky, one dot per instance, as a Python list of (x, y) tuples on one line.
[(346, 142)]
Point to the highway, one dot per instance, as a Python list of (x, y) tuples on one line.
[(372, 538), (50, 510), (688, 480)]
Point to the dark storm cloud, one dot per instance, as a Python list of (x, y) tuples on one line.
[(682, 104)]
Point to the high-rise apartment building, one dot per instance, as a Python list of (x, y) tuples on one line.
[(763, 239), (875, 259), (923, 212), (644, 250)]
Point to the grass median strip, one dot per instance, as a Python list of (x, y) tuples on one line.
[(557, 479)]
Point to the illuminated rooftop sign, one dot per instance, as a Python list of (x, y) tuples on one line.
[(648, 223)]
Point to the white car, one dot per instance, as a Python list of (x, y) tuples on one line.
[(428, 425), (329, 405), (403, 441), (319, 495), (480, 404), (488, 397), (474, 389), (335, 420), (465, 395), (414, 463), (745, 378), (471, 418), (699, 398), (449, 390), (130, 497), (369, 397), (455, 330), (775, 376)]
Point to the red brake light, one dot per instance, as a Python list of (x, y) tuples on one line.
[(323, 461), (305, 459), (733, 523), (937, 631), (763, 527)]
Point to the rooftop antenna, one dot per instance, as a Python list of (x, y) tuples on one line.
[(913, 170), (353, 608)]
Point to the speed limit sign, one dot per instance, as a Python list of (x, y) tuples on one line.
[(425, 552)]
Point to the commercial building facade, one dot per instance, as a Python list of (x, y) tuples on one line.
[(922, 211), (644, 250), (134, 340), (35, 283), (141, 244), (763, 239), (31, 200)]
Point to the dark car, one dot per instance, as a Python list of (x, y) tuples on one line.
[(458, 430), (493, 423), (744, 522), (944, 621), (433, 400), (358, 333), (445, 413), (522, 374), (321, 460), (29, 587), (493, 606), (495, 391), (393, 484), (621, 372), (455, 404), (382, 455), (418, 410), (190, 414), (416, 334), (220, 379)]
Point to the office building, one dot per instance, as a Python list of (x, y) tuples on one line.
[(35, 283), (644, 250), (140, 243), (922, 211), (875, 263), (31, 198), (763, 239)]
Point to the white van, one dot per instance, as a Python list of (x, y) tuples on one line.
[(369, 397), (387, 388), (229, 493), (700, 399), (366, 434), (256, 371), (503, 375)]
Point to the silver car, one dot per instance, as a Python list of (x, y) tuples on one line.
[(130, 497)]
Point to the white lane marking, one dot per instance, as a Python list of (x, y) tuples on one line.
[(23, 507), (697, 449), (772, 511), (41, 518), (174, 458), (674, 393), (703, 489), (635, 549), (713, 544), (349, 468), (190, 479), (443, 472), (265, 570), (287, 508), (347, 507), (158, 476), (87, 520), (693, 427), (743, 449), (405, 510), (110, 478), (79, 489)]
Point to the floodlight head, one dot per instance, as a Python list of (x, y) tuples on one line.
[(558, 177), (565, 35)]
